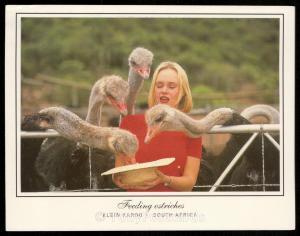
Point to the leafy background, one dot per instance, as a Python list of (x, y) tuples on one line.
[(229, 61)]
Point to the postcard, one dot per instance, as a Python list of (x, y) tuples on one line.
[(149, 117)]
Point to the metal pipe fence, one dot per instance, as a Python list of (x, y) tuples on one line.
[(251, 128), (215, 130)]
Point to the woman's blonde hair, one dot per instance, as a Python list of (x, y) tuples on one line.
[(185, 102)]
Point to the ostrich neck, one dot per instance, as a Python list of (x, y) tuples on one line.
[(68, 124), (135, 82), (78, 130), (197, 127), (94, 113), (93, 136), (190, 125), (96, 101)]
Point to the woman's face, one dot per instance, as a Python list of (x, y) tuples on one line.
[(167, 87)]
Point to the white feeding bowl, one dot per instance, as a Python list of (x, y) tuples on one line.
[(138, 173)]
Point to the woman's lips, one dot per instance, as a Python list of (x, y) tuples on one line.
[(164, 99)]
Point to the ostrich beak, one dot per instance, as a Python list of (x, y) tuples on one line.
[(152, 131), (121, 106), (144, 72), (44, 121), (40, 120)]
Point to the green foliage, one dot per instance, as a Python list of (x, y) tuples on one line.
[(220, 54), (203, 93)]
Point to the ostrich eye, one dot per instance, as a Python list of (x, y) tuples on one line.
[(159, 119), (45, 118), (133, 63), (111, 96)]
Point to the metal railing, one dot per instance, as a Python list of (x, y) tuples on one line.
[(218, 129), (251, 128)]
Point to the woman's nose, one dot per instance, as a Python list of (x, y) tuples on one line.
[(165, 89)]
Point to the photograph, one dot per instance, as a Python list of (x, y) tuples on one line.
[(134, 116)]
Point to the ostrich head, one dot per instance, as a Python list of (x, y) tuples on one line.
[(29, 123), (140, 61), (112, 89), (44, 119), (123, 143), (116, 90), (159, 118)]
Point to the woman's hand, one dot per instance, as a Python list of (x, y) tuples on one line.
[(161, 178), (164, 178), (117, 179), (122, 160)]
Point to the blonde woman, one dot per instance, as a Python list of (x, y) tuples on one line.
[(169, 86)]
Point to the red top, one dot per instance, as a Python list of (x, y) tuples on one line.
[(165, 144)]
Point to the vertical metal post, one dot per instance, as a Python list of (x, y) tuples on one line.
[(263, 158)]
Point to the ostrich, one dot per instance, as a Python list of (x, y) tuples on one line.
[(30, 179), (162, 117), (248, 171), (270, 113), (62, 152), (71, 127), (249, 168), (140, 61), (165, 118), (111, 89)]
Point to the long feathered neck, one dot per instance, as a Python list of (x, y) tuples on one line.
[(68, 125), (94, 113), (135, 82), (191, 126), (72, 127), (96, 102), (196, 128), (262, 110)]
